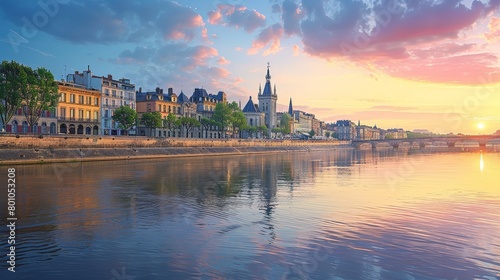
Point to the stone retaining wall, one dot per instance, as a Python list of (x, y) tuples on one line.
[(30, 149)]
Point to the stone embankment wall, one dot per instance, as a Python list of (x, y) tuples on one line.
[(31, 149)]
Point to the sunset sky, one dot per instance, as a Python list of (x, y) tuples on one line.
[(413, 64)]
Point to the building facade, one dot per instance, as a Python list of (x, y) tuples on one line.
[(78, 109), (254, 117), (345, 130)]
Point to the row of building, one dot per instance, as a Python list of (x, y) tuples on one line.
[(87, 104), (348, 130)]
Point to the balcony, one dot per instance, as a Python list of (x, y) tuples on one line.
[(73, 119)]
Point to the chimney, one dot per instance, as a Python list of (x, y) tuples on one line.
[(110, 77), (170, 91), (140, 89), (157, 90), (161, 91)]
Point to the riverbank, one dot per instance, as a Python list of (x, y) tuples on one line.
[(33, 150)]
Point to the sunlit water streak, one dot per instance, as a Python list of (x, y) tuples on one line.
[(375, 214)]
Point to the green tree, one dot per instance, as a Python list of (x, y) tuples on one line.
[(251, 130), (312, 132), (13, 81), (238, 122), (285, 123), (327, 134), (262, 129), (189, 124), (171, 122), (42, 94), (206, 124), (151, 120), (126, 117), (222, 116)]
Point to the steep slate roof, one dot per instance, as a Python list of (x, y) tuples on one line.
[(182, 98), (250, 107)]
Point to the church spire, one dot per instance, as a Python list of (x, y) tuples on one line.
[(290, 108), (268, 75), (260, 89)]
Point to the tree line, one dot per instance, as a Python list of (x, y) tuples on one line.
[(33, 90)]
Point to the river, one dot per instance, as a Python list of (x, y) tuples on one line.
[(345, 214)]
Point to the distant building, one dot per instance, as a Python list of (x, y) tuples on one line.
[(157, 101), (364, 132), (205, 102), (345, 130), (395, 133)]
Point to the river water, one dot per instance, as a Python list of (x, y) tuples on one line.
[(344, 214)]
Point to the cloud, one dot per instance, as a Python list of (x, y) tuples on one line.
[(237, 16), (270, 36), (494, 29), (397, 34), (223, 61), (107, 21), (276, 8), (291, 16), (296, 50)]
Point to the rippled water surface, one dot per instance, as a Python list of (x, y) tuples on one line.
[(322, 215)]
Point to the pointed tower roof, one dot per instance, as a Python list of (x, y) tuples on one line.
[(267, 86), (290, 108), (250, 107), (182, 98)]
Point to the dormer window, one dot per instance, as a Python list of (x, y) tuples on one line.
[(160, 97), (148, 97)]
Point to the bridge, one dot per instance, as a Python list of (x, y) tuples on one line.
[(450, 141)]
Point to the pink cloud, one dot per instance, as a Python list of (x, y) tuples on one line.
[(400, 36), (471, 69), (296, 50), (270, 36), (494, 29), (223, 61), (237, 16)]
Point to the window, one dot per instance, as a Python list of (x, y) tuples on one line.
[(72, 114), (113, 93), (72, 98), (159, 108), (112, 102), (96, 101), (63, 97), (87, 115), (164, 108), (106, 113), (80, 114), (96, 115), (63, 112), (106, 91), (106, 102), (81, 99)]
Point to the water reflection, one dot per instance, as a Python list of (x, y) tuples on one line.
[(481, 163), (345, 214)]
